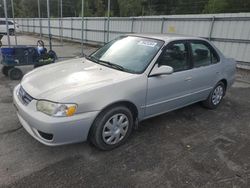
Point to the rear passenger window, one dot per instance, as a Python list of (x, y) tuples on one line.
[(202, 54), (175, 55)]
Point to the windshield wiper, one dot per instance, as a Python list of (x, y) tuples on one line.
[(106, 63), (91, 58), (119, 67)]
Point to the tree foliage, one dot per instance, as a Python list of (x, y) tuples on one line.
[(225, 6), (71, 8)]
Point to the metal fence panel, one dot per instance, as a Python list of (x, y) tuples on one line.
[(66, 33), (66, 23), (95, 36), (137, 26), (229, 32), (77, 23), (96, 24), (149, 26), (121, 25), (114, 35)]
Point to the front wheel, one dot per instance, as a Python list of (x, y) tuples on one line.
[(5, 70), (215, 97), (15, 74), (111, 128)]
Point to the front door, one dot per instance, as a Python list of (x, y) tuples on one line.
[(168, 92)]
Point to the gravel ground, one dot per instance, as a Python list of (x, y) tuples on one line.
[(190, 147)]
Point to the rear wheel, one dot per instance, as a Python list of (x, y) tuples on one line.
[(111, 128), (15, 74), (215, 97), (5, 70), (37, 65)]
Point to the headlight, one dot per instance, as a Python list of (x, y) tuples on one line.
[(56, 109)]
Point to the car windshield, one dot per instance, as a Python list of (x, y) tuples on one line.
[(128, 53)]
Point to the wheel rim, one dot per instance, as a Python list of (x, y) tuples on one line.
[(115, 129), (217, 95), (15, 74)]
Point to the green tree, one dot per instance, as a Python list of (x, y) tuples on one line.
[(227, 6), (28, 8), (130, 7), (216, 6)]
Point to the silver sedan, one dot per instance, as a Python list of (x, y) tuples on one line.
[(102, 97)]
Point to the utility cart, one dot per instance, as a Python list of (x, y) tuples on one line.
[(21, 56), (1, 36)]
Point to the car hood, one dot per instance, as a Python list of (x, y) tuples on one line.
[(61, 80)]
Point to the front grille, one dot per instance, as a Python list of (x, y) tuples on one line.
[(23, 96)]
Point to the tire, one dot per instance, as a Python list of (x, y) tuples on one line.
[(15, 74), (5, 70), (35, 66), (52, 55), (105, 134), (11, 32), (215, 97)]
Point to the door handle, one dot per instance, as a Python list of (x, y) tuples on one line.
[(188, 78)]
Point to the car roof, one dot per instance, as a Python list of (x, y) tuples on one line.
[(166, 37), (5, 20)]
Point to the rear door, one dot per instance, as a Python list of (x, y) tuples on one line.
[(206, 71)]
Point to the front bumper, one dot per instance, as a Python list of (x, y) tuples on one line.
[(49, 130)]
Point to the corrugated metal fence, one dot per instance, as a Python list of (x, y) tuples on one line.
[(229, 32)]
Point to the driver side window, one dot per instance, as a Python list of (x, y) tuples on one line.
[(175, 55)]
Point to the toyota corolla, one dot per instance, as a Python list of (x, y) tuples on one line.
[(102, 97)]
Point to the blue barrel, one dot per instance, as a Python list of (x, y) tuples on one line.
[(8, 51)]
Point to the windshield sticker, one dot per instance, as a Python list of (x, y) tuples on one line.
[(147, 43)]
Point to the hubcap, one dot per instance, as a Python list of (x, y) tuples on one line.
[(115, 129), (217, 95)]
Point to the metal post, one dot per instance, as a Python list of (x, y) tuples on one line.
[(86, 30), (34, 28), (48, 13), (132, 25), (61, 22), (6, 19), (82, 54), (28, 25), (22, 25), (142, 18), (71, 27), (13, 16), (104, 31), (162, 24), (211, 28), (108, 20), (39, 15)]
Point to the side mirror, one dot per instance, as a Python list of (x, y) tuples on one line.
[(157, 71)]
